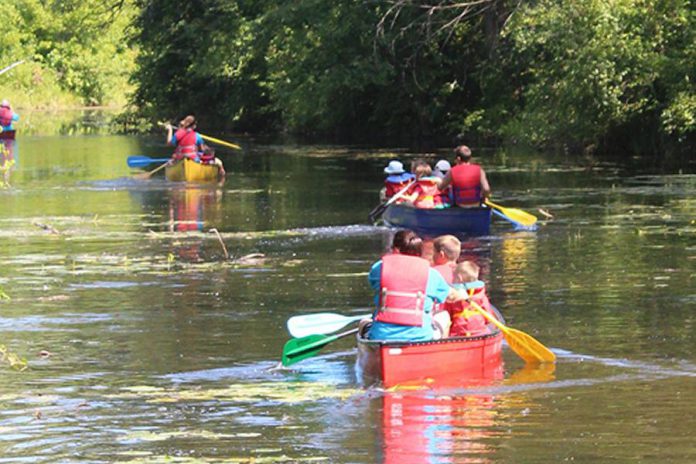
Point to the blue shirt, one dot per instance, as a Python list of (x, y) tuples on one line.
[(15, 117), (399, 178), (436, 289), (199, 139)]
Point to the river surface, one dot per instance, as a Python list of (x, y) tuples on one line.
[(150, 337)]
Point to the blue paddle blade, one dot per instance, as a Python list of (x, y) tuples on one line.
[(139, 161)]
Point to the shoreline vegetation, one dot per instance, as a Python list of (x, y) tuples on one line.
[(565, 76)]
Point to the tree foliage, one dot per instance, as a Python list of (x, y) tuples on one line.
[(71, 46)]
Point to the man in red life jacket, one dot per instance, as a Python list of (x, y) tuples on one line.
[(7, 116), (468, 180), (406, 289), (187, 141)]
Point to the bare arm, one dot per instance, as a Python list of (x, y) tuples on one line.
[(446, 181), (485, 187), (457, 295), (170, 132)]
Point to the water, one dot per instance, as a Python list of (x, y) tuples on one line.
[(145, 343)]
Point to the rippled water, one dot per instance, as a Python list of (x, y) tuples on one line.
[(148, 341)]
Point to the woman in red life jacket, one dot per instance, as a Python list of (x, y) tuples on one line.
[(467, 321), (7, 116), (468, 180), (396, 180), (424, 193), (406, 289), (187, 141)]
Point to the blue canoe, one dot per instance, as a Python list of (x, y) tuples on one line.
[(433, 222)]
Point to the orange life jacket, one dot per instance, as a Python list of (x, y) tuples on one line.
[(467, 321), (428, 193), (466, 184), (403, 284)]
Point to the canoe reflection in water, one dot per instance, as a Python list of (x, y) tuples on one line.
[(447, 426), (8, 160), (190, 210)]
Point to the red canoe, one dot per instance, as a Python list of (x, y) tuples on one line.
[(446, 361), (7, 135)]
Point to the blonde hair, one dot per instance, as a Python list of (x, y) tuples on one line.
[(422, 170), (449, 245), (466, 271)]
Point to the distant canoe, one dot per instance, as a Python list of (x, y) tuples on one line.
[(456, 221), (189, 171), (7, 135)]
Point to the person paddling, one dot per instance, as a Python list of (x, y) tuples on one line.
[(406, 289), (468, 180), (466, 321), (187, 141), (396, 179), (7, 116)]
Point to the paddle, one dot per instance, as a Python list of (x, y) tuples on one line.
[(517, 225), (207, 137), (514, 214), (221, 142), (382, 207), (139, 161), (319, 323), (147, 175), (297, 349), (524, 345)]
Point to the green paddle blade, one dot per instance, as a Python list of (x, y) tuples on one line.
[(297, 349)]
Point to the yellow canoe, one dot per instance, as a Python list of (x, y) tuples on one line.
[(189, 171)]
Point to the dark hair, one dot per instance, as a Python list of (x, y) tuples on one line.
[(407, 242), (188, 122), (462, 152)]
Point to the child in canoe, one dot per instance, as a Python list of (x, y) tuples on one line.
[(466, 320), (397, 179), (446, 251)]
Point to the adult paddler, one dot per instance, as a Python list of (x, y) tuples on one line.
[(468, 180), (406, 288), (187, 141)]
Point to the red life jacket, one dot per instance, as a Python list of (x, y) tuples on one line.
[(466, 184), (403, 285), (5, 116), (428, 193), (185, 141), (467, 321), (392, 188)]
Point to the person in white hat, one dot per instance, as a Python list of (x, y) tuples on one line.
[(397, 179), (442, 167), (7, 116)]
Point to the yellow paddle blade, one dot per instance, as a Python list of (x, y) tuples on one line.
[(221, 142), (528, 347), (515, 214)]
